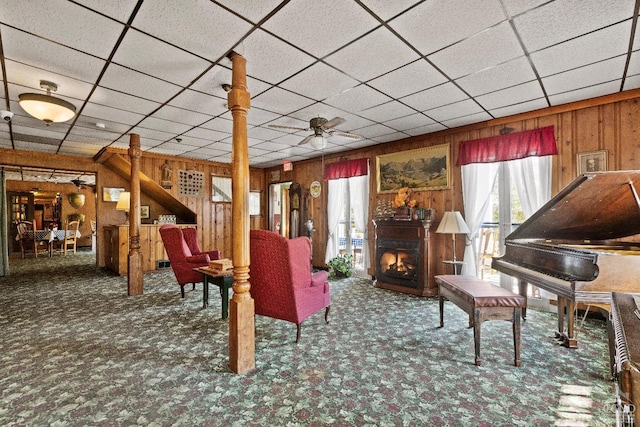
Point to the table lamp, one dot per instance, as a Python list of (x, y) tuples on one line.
[(453, 223), (124, 200)]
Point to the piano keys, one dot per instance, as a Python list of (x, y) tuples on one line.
[(623, 329), (581, 245)]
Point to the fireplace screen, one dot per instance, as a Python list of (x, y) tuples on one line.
[(399, 266)]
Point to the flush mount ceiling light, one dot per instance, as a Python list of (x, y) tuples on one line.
[(47, 108)]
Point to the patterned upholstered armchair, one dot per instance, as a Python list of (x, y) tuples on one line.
[(182, 260), (191, 237), (282, 285)]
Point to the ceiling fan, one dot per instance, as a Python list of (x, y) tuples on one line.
[(80, 183), (320, 126)]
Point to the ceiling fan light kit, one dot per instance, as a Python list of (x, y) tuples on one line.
[(47, 108), (318, 142), (320, 126)]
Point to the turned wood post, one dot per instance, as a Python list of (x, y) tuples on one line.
[(134, 261), (241, 307)]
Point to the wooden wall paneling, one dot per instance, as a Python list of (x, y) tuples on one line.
[(627, 156)]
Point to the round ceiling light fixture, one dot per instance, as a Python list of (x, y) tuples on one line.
[(47, 108)]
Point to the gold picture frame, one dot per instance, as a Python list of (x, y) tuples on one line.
[(145, 212), (592, 161), (111, 194), (421, 169)]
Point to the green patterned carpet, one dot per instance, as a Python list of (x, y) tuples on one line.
[(77, 351)]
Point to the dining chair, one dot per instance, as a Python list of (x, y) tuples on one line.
[(70, 236), (27, 238)]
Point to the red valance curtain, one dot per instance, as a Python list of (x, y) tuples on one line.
[(346, 169), (536, 142)]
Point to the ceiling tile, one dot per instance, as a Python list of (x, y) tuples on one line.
[(584, 50), (485, 49), (586, 76), (170, 127), (467, 120), (319, 82), (252, 10), (132, 82), (388, 111), (357, 99), (409, 122), (36, 52), (90, 32), (266, 55), (104, 113), (431, 98), (280, 101), (441, 21), (202, 28), (201, 102), (206, 134), (516, 7), (362, 62), (519, 108), (386, 9), (501, 76), (337, 25), (453, 111), (123, 101), (156, 58), (548, 25), (585, 93), (409, 79), (116, 9), (513, 95), (180, 115)]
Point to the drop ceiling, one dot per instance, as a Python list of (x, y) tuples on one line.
[(391, 69)]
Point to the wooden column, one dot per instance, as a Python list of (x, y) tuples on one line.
[(134, 262), (241, 307)]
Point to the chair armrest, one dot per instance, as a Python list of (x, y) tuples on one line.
[(213, 255), (198, 259), (319, 278)]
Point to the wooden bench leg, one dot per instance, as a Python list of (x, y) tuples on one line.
[(517, 314), (441, 298), (477, 322)]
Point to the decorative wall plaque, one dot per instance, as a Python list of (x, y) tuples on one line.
[(190, 183)]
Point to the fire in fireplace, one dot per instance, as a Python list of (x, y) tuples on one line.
[(397, 263)]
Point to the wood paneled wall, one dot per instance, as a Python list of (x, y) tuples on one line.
[(607, 123)]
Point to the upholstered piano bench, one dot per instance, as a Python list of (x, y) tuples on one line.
[(482, 301)]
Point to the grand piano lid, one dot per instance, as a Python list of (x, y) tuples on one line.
[(594, 206)]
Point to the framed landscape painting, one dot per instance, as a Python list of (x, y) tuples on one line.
[(422, 169)]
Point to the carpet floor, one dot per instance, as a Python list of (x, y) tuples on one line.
[(77, 351)]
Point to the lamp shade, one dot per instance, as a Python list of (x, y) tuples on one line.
[(318, 142), (124, 200), (46, 107), (452, 223)]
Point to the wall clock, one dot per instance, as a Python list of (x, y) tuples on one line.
[(315, 189)]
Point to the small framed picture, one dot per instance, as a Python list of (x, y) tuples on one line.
[(593, 161), (254, 203), (144, 212)]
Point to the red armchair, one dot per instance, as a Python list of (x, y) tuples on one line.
[(191, 237), (282, 285), (182, 260)]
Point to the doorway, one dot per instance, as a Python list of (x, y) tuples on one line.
[(279, 208)]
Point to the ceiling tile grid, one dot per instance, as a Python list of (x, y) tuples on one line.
[(390, 69)]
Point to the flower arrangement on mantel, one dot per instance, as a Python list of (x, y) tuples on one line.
[(403, 198)]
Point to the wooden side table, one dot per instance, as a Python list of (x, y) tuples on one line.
[(223, 280)]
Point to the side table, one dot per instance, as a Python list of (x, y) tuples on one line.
[(223, 280)]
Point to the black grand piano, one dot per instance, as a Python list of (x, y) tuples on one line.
[(581, 245)]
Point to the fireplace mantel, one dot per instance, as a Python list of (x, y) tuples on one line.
[(404, 257)]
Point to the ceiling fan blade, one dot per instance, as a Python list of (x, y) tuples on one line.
[(307, 139), (336, 121), (346, 135), (287, 127)]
